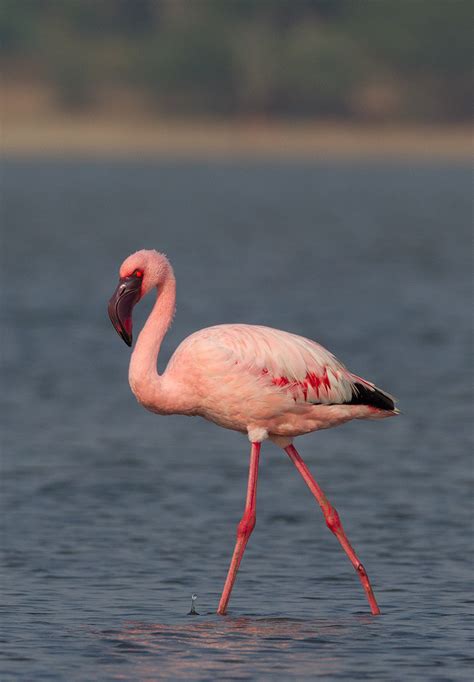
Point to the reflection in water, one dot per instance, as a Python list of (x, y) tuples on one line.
[(240, 646)]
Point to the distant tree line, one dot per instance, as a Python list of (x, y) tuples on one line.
[(363, 59)]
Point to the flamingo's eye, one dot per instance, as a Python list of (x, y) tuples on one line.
[(138, 273)]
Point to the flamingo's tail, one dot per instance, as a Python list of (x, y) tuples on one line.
[(365, 393)]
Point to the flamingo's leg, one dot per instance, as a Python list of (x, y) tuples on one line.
[(334, 524), (244, 529)]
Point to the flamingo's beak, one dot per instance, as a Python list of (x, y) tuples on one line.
[(121, 304)]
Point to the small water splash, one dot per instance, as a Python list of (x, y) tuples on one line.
[(193, 611)]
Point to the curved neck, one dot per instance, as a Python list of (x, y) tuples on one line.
[(143, 371)]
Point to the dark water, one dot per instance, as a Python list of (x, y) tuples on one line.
[(112, 516)]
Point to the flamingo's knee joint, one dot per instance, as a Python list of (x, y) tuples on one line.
[(333, 521), (246, 526)]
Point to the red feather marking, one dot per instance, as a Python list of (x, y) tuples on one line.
[(325, 379), (314, 381), (311, 380), (304, 387), (280, 381), (292, 385)]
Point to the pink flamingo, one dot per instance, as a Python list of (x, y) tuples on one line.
[(264, 382)]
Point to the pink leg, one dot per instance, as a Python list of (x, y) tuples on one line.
[(333, 522), (244, 529)]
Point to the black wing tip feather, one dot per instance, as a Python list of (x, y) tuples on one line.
[(362, 395)]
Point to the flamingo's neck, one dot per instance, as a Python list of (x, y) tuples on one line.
[(144, 379)]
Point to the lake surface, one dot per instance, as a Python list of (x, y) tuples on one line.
[(112, 517)]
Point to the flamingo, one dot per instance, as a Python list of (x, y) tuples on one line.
[(263, 382)]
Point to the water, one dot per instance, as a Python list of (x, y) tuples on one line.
[(113, 517)]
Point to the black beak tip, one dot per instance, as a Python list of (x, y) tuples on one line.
[(125, 335)]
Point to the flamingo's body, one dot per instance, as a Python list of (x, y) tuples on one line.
[(260, 381), (264, 382)]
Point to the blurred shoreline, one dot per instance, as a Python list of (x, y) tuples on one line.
[(89, 136), (232, 80)]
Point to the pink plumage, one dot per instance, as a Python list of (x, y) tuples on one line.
[(267, 383)]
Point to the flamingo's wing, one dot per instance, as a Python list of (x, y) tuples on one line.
[(275, 363), (293, 364)]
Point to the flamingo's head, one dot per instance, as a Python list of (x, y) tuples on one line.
[(139, 273)]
